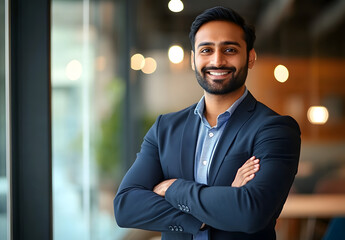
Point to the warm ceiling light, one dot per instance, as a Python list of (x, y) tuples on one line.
[(150, 66), (137, 61), (176, 54), (74, 70), (175, 5), (281, 73), (318, 115)]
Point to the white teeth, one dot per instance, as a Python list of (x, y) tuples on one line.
[(218, 73)]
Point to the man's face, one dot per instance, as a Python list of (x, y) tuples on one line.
[(220, 59)]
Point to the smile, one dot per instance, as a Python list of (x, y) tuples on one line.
[(218, 73)]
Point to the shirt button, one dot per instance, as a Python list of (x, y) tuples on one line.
[(204, 163), (211, 134)]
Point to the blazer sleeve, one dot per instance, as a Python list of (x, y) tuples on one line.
[(252, 207), (137, 206)]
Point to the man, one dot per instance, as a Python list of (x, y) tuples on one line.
[(184, 182)]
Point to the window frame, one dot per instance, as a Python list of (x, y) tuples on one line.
[(30, 120)]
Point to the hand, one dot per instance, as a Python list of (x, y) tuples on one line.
[(246, 172), (162, 187)]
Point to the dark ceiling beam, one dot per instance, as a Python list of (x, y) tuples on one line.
[(270, 18), (328, 20)]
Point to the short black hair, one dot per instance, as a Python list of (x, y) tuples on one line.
[(225, 14)]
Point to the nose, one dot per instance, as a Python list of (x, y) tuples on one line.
[(218, 59)]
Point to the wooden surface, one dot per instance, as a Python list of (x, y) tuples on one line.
[(314, 205)]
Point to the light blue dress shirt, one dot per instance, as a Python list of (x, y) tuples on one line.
[(207, 144)]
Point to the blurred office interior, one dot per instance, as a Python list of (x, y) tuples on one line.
[(114, 65)]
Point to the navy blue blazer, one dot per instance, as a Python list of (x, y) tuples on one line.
[(247, 212)]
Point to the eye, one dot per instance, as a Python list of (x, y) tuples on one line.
[(231, 50), (205, 50)]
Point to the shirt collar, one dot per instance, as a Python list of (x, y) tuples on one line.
[(199, 109)]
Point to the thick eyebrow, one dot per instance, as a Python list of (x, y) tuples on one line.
[(222, 43)]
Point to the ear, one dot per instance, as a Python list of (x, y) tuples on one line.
[(251, 58), (192, 60)]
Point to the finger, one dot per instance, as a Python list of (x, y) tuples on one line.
[(247, 173), (250, 177), (249, 167), (247, 179), (246, 168), (250, 162)]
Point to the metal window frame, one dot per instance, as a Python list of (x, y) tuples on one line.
[(30, 151)]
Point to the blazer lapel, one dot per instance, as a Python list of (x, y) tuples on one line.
[(188, 145), (236, 121)]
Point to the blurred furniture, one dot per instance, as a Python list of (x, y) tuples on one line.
[(331, 185), (314, 205), (311, 207)]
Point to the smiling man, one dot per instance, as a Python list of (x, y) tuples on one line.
[(196, 176), (218, 59)]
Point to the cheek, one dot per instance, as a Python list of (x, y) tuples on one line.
[(240, 63), (198, 65), (203, 62)]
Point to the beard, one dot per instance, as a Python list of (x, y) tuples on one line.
[(235, 82)]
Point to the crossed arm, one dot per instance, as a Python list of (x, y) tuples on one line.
[(250, 208), (244, 174), (164, 213)]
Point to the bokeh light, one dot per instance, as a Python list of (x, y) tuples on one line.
[(317, 115), (74, 70), (281, 73), (137, 61), (175, 5), (176, 54), (150, 66)]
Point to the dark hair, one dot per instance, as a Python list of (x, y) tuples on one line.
[(222, 13)]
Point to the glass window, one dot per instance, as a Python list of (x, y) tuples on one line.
[(87, 120)]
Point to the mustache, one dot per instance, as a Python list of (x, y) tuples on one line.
[(205, 69)]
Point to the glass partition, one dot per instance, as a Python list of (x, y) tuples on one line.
[(87, 119)]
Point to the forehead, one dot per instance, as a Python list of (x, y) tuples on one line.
[(220, 31)]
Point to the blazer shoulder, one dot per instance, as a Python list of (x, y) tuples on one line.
[(272, 117)]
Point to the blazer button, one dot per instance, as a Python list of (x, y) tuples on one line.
[(176, 228), (187, 209), (180, 228), (179, 206), (171, 228)]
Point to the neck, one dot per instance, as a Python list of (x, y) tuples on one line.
[(217, 104)]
